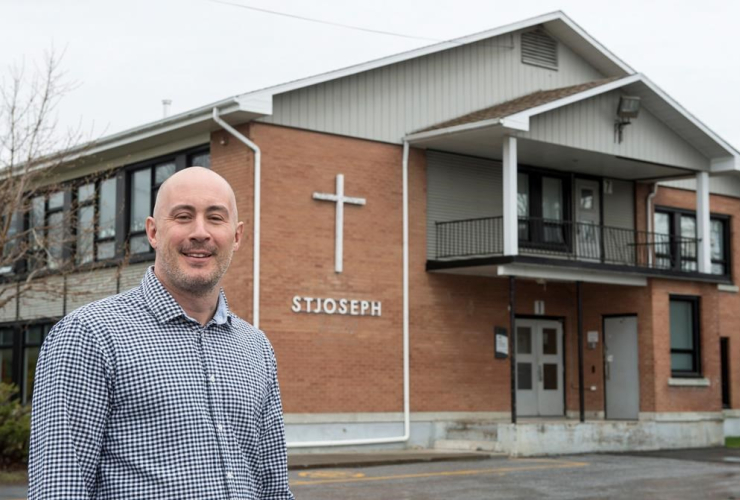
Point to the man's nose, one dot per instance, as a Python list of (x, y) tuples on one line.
[(200, 230)]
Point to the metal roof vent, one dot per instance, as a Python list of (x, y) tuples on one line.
[(539, 49)]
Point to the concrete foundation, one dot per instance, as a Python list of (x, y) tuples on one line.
[(531, 437)]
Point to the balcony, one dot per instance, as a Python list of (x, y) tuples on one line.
[(574, 244)]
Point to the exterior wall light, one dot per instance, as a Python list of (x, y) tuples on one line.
[(628, 108)]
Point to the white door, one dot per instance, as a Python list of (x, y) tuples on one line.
[(539, 371), (588, 220), (621, 368)]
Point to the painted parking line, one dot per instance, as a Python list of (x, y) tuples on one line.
[(537, 464)]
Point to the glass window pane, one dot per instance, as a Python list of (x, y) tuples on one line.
[(524, 340), (6, 337), (141, 189), (107, 209), (37, 221), (587, 199), (30, 357), (549, 341), (106, 250), (522, 199), (688, 226), (10, 236), (682, 324), (718, 269), (6, 365), (34, 335), (139, 244), (717, 235), (56, 200), (85, 234), (200, 160), (86, 193), (682, 362), (662, 223), (552, 197), (524, 376), (162, 172), (550, 376), (56, 239)]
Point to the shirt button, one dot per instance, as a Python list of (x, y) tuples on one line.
[(229, 475), (220, 427), (212, 378)]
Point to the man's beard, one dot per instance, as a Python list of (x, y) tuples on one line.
[(195, 285)]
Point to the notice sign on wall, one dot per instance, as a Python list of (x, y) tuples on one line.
[(502, 342), (348, 307)]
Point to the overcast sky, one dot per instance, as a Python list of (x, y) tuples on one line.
[(128, 55)]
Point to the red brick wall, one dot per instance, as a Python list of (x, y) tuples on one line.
[(354, 364)]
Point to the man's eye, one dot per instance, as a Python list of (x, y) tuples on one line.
[(182, 216)]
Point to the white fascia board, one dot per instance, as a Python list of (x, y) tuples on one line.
[(727, 164), (258, 105), (607, 53), (457, 129), (565, 101), (652, 86), (561, 274), (439, 47)]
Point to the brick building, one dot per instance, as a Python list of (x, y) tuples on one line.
[(511, 241)]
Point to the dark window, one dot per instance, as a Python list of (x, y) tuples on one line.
[(145, 181), (47, 231), (20, 345), (96, 221), (676, 245), (541, 206), (685, 336)]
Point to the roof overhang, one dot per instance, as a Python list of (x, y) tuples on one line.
[(723, 157), (234, 110)]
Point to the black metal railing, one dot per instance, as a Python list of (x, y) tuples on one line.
[(567, 240)]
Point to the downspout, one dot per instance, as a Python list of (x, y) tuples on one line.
[(406, 390), (649, 210), (257, 198)]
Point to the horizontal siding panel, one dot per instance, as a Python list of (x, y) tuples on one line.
[(387, 103), (589, 125), (460, 187)]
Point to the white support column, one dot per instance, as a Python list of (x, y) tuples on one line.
[(511, 218), (703, 232)]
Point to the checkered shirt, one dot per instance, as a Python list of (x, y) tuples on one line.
[(135, 400)]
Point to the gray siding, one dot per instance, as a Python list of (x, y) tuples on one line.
[(619, 206), (460, 187), (727, 185), (387, 103), (82, 289), (589, 125)]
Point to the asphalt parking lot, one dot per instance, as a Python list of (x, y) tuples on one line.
[(574, 477), (671, 475)]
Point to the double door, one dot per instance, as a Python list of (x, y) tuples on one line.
[(539, 368)]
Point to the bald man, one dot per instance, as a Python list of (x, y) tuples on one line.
[(162, 392)]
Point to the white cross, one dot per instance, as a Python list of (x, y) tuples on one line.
[(340, 200)]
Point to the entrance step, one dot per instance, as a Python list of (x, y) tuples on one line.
[(464, 445)]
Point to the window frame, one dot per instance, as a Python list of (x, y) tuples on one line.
[(182, 159), (696, 371), (536, 235), (674, 225), (95, 203), (20, 345)]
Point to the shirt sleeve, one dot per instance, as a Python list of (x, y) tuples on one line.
[(71, 404), (273, 450)]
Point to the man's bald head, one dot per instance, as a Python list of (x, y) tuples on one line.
[(201, 178)]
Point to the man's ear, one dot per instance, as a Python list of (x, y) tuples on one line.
[(151, 231), (238, 235)]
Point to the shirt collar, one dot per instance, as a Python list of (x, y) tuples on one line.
[(165, 308)]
